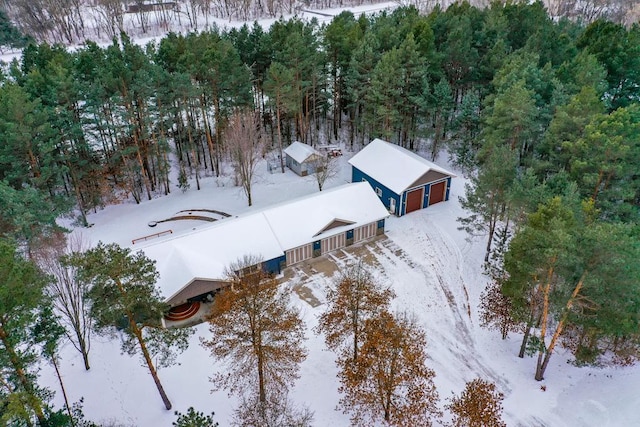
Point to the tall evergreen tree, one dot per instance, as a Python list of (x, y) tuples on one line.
[(124, 298), (487, 196), (604, 162), (23, 309)]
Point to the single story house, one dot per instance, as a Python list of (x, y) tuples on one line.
[(302, 158), (192, 266), (403, 180)]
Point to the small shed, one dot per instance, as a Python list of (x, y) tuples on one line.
[(302, 158), (404, 181)]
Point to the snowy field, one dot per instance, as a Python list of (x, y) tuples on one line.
[(435, 272)]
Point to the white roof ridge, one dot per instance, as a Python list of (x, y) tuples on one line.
[(300, 151), (393, 166)]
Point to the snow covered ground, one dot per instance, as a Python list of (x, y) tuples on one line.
[(435, 272)]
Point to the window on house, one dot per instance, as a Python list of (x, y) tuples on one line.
[(378, 191)]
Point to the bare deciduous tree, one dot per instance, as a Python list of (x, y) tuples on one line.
[(245, 142), (389, 381), (50, 20), (109, 16), (255, 333), (278, 411), (479, 405), (326, 167), (356, 298), (65, 289), (590, 10), (30, 17)]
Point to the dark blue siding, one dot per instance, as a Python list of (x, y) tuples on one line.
[(446, 194), (357, 176), (425, 199), (381, 224), (274, 265)]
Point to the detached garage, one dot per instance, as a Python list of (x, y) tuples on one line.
[(404, 181)]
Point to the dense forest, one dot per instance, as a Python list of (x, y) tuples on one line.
[(543, 115), (87, 127)]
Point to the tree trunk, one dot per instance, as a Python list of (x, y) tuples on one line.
[(22, 376), (85, 357), (207, 132), (279, 136), (545, 316), (138, 333), (64, 391), (492, 229), (525, 340), (82, 343), (542, 367), (261, 386)]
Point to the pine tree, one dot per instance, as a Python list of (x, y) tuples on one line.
[(479, 405), (534, 263), (441, 107), (279, 88), (10, 36), (465, 129), (124, 299), (194, 418), (23, 310), (604, 162), (487, 197), (600, 295), (341, 38)]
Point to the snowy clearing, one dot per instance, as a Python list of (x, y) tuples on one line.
[(435, 272)]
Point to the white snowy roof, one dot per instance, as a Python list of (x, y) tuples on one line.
[(303, 220), (300, 152), (393, 166), (206, 253)]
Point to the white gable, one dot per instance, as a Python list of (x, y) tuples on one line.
[(300, 152), (393, 166), (206, 253), (298, 222)]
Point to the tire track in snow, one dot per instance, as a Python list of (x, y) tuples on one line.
[(439, 261)]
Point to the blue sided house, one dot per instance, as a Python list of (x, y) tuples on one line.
[(192, 266), (404, 181)]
